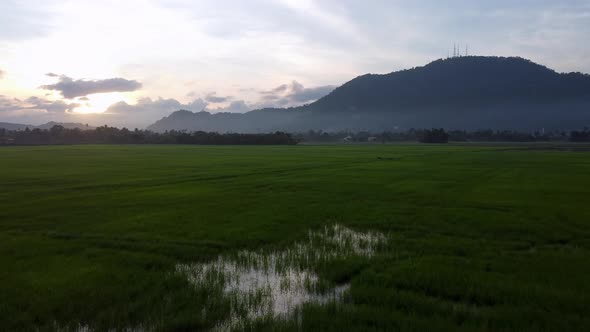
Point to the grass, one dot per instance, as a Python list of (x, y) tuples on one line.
[(481, 238)]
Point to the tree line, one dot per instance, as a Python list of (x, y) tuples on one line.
[(111, 135), (439, 135), (580, 136)]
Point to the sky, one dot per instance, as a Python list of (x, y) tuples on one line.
[(129, 63)]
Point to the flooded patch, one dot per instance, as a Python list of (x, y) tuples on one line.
[(276, 284)]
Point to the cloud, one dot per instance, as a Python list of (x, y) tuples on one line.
[(213, 98), (148, 110), (280, 89), (9, 104), (162, 107), (305, 95), (57, 106), (51, 75), (70, 88), (293, 94), (148, 105), (238, 106), (37, 111), (2, 73), (197, 104), (35, 103)]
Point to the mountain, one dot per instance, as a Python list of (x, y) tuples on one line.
[(455, 93), (263, 120), (48, 125), (459, 82), (67, 125)]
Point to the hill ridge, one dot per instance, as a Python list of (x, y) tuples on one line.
[(473, 92)]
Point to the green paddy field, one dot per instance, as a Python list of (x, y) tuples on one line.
[(471, 237)]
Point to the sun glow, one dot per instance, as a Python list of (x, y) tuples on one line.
[(99, 103)]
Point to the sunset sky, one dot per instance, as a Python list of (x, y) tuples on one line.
[(129, 63)]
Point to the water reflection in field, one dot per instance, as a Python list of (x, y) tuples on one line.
[(275, 284)]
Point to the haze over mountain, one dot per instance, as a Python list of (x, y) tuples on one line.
[(456, 93), (14, 126), (48, 125)]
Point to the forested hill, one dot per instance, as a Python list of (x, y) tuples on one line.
[(467, 93), (458, 81)]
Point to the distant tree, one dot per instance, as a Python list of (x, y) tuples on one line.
[(580, 136), (110, 135), (435, 136)]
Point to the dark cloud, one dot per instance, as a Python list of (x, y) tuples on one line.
[(2, 73), (70, 88), (52, 75), (83, 99), (213, 98), (293, 94)]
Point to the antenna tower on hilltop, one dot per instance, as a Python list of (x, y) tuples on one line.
[(457, 51)]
